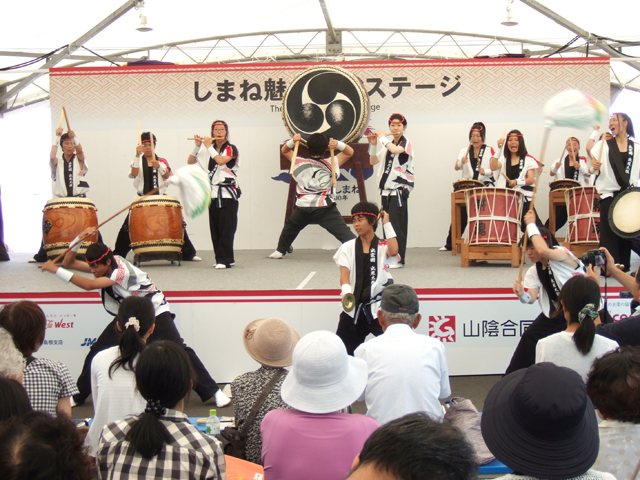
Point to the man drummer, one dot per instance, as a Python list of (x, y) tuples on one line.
[(149, 171), (364, 272), (396, 178), (118, 279), (572, 167), (313, 194), (67, 176)]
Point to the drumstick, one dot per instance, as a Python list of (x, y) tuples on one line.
[(604, 139), (504, 132), (505, 177), (153, 151), (293, 159), (333, 166), (64, 111), (61, 118)]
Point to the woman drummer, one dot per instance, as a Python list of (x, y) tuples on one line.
[(474, 162), (220, 160), (519, 168), (572, 167)]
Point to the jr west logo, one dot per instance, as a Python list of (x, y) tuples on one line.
[(88, 342)]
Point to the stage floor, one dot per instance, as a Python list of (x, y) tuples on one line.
[(303, 269)]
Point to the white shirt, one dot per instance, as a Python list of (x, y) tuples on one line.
[(113, 398), (530, 163), (560, 349), (606, 183), (58, 178), (408, 373), (485, 162), (619, 448), (584, 177)]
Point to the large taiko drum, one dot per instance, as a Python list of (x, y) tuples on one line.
[(155, 225), (466, 184), (624, 214), (326, 99), (583, 211), (63, 220), (494, 215), (563, 184)]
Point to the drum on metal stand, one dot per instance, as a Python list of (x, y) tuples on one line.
[(583, 210), (494, 216), (155, 225), (63, 220), (466, 184)]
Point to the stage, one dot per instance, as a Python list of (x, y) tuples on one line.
[(472, 310)]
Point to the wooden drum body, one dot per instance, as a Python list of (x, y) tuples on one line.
[(466, 184), (583, 211), (155, 225), (63, 220), (494, 216)]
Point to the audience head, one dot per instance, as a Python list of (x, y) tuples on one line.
[(540, 422), (367, 210), (614, 385), (580, 300), (164, 377), (13, 399), (323, 378), (11, 360), (317, 144), (134, 322), (40, 447), (414, 447), (270, 341), (26, 323), (399, 304)]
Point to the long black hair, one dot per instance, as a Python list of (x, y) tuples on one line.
[(480, 128), (522, 149), (14, 401), (581, 297), (626, 118), (164, 376), (136, 316)]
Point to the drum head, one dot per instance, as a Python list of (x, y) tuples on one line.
[(326, 99), (623, 214)]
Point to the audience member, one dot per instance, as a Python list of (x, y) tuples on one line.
[(415, 447), (578, 346), (627, 330), (11, 360), (407, 372), (269, 342), (113, 382), (37, 446), (47, 382), (160, 443), (13, 399), (539, 422), (314, 441), (614, 388)]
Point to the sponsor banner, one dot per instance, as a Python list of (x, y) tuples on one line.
[(480, 327), (439, 98)]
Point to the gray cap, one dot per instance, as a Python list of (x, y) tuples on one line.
[(399, 298)]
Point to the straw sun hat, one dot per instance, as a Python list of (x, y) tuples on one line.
[(270, 341)]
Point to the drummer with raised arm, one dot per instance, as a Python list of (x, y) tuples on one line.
[(617, 170), (474, 163), (396, 177), (67, 176)]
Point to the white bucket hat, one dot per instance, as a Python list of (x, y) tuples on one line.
[(323, 378)]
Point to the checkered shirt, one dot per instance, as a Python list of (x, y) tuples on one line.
[(46, 381), (189, 455)]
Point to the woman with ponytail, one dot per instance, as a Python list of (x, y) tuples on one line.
[(113, 383), (160, 442), (578, 346)]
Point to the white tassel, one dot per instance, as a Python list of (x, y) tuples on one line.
[(195, 190)]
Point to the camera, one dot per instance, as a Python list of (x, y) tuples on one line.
[(594, 257)]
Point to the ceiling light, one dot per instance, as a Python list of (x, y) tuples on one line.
[(144, 26), (510, 21)]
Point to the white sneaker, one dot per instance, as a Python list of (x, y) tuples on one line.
[(443, 249), (196, 259), (221, 399), (396, 265), (220, 266), (276, 254)]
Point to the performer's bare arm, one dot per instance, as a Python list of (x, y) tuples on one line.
[(392, 243), (79, 151), (495, 163), (219, 159), (519, 290), (78, 280), (591, 142), (288, 152), (625, 279), (461, 161), (344, 275), (344, 155), (555, 254), (392, 147), (53, 159), (136, 170), (373, 159)]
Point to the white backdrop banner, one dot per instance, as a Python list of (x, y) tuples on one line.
[(440, 99), (480, 327)]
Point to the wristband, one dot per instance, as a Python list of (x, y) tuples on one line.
[(373, 149), (532, 229), (78, 245), (521, 183), (212, 152), (291, 144), (525, 297), (56, 142), (341, 145), (64, 274), (384, 141), (136, 162), (388, 230), (75, 141), (458, 164), (594, 135), (346, 288), (194, 152)]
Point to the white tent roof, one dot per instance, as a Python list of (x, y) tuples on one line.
[(299, 30)]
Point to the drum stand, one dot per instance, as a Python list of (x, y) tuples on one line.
[(172, 257), (457, 204), (556, 199), (479, 253)]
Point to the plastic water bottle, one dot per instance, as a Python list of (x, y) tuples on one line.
[(213, 423)]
